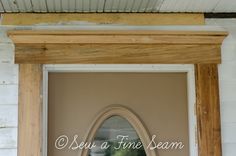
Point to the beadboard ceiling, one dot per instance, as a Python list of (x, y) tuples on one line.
[(117, 5)]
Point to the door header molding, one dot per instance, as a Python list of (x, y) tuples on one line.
[(120, 47)]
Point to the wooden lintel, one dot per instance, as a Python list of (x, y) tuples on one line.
[(105, 18), (166, 47), (119, 54)]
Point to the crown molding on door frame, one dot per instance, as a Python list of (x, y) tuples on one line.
[(201, 48)]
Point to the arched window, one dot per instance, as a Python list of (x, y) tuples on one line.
[(116, 124)]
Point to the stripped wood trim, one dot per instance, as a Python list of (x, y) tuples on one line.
[(205, 54), (208, 110), (116, 53), (105, 18), (116, 39), (117, 46), (117, 32), (30, 110)]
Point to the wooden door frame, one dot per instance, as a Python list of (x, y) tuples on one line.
[(34, 48)]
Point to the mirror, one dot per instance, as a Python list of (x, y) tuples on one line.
[(121, 138)]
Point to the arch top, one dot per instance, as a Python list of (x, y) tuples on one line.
[(127, 114)]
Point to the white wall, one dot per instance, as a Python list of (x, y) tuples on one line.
[(227, 76), (9, 93), (8, 98)]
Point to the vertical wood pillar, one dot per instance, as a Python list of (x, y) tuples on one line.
[(30, 108), (208, 110)]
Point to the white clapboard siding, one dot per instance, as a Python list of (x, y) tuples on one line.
[(229, 50), (8, 152), (4, 38), (228, 112), (8, 138), (228, 90), (229, 149), (227, 80), (228, 132), (228, 71), (8, 116), (9, 94), (8, 73), (6, 53)]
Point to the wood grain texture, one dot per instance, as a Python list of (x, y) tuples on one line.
[(117, 46), (208, 110), (116, 32), (117, 39), (105, 18), (30, 109), (118, 54)]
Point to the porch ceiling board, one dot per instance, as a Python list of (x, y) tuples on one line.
[(118, 6)]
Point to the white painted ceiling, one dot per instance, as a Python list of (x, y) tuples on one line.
[(117, 5)]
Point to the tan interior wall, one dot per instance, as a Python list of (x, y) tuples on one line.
[(159, 99)]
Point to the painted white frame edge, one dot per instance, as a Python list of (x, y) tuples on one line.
[(161, 68)]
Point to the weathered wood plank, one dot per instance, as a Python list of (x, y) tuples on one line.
[(116, 32), (117, 39), (30, 107), (106, 18), (116, 53), (117, 46), (208, 110)]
